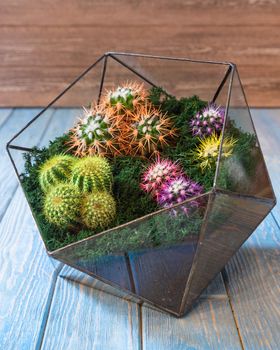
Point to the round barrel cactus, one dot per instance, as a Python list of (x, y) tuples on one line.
[(98, 209), (55, 170), (62, 205), (92, 174)]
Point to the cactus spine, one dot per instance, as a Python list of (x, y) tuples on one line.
[(94, 133), (92, 174), (149, 131), (125, 98), (55, 170), (98, 209), (62, 205)]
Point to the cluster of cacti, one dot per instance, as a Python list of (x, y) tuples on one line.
[(207, 151), (56, 170), (158, 172), (91, 174), (124, 123), (62, 205), (98, 209), (77, 191), (208, 121), (166, 182), (177, 190)]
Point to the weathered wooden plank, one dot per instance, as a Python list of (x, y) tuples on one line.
[(4, 114), (37, 86), (85, 318), (210, 325), (253, 284), (35, 74), (187, 13), (26, 278), (257, 45), (13, 124), (267, 123)]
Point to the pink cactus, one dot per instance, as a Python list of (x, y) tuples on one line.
[(157, 174)]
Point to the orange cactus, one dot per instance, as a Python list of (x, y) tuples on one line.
[(124, 99), (149, 131), (94, 133)]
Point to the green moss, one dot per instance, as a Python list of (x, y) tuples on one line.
[(161, 230)]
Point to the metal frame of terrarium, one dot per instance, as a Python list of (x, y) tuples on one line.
[(184, 303)]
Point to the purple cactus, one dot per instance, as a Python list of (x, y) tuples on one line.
[(177, 190), (208, 121)]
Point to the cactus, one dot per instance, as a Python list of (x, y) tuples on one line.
[(92, 174), (207, 151), (210, 120), (160, 171), (98, 209), (149, 131), (125, 97), (55, 170), (177, 190), (62, 205), (95, 133)]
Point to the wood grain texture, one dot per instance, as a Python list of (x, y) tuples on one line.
[(26, 278), (4, 114), (254, 287), (45, 44), (209, 325), (85, 318), (252, 276), (134, 13), (8, 180)]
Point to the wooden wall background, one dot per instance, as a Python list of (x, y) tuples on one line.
[(44, 44)]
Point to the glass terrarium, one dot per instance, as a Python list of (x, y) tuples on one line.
[(163, 255)]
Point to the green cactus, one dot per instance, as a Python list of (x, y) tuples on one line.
[(98, 209), (55, 170), (62, 205), (92, 174)]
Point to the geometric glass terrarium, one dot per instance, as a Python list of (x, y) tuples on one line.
[(167, 256)]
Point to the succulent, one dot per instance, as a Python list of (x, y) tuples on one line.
[(177, 190), (98, 209), (125, 97), (92, 174), (95, 133), (149, 131), (62, 205), (208, 121), (160, 171), (55, 170), (207, 151)]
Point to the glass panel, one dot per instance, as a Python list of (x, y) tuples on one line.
[(242, 168), (180, 78), (230, 221), (151, 257)]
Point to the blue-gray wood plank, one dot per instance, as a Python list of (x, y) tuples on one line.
[(42, 307)]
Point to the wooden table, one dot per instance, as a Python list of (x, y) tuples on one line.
[(41, 309)]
